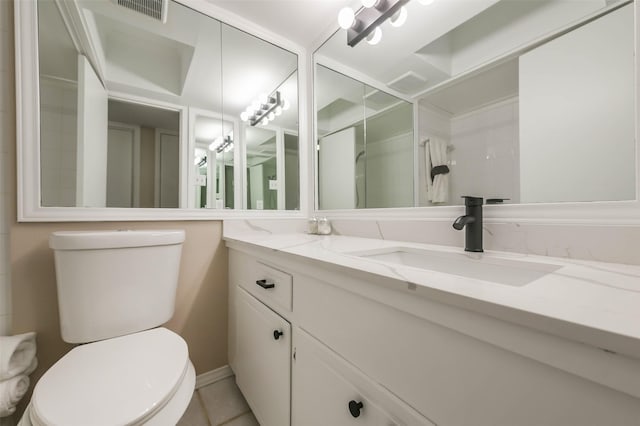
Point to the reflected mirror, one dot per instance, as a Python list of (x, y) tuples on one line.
[(364, 146), (159, 111), (517, 101)]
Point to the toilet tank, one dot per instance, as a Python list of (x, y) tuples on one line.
[(112, 283)]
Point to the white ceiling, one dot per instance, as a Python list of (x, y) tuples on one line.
[(301, 21)]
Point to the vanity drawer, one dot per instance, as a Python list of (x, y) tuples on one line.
[(268, 284), (327, 390)]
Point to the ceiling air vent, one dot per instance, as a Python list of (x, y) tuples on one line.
[(156, 9)]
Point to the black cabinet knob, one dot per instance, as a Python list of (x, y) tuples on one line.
[(355, 408), (277, 334)]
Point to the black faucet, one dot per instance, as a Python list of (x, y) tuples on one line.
[(473, 221)]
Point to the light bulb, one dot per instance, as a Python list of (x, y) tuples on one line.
[(375, 37), (255, 105), (346, 18), (278, 110), (244, 116), (264, 121), (215, 144), (426, 2), (285, 105), (369, 3), (271, 116), (263, 98), (399, 18)]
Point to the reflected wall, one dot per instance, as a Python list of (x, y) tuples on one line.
[(365, 144)]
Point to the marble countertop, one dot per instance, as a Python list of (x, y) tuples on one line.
[(591, 302)]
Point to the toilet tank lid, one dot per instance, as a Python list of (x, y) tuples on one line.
[(87, 240)]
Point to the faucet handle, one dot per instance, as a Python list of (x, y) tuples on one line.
[(471, 201)]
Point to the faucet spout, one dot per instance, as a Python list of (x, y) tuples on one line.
[(472, 221), (462, 221)]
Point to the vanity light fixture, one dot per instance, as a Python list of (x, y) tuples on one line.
[(265, 109), (365, 23)]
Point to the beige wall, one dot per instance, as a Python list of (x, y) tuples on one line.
[(7, 142), (201, 309)]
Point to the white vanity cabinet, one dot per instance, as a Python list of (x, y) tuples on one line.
[(409, 359), (260, 338)]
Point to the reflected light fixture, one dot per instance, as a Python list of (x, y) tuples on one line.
[(375, 37), (399, 18), (365, 23), (265, 109), (221, 144)]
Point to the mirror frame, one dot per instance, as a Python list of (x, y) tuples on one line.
[(29, 208), (576, 213)]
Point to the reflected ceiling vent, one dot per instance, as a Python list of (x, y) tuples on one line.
[(378, 100), (408, 83), (156, 9)]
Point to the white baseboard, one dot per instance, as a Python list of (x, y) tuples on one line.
[(213, 376)]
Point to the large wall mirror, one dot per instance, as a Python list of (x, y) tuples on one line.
[(161, 109), (517, 101)]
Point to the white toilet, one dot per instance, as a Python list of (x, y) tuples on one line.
[(113, 288)]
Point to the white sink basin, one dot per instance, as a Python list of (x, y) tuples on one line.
[(482, 266)]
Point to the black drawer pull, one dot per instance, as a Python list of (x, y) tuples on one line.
[(355, 407), (277, 334), (265, 284)]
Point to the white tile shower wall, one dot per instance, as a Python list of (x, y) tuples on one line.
[(483, 150), (388, 180), (7, 132), (485, 157)]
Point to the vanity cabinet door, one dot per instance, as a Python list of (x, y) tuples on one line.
[(327, 390), (262, 360)]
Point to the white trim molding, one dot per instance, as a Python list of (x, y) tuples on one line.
[(213, 376)]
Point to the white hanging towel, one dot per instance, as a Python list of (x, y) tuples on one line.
[(436, 155), (11, 392), (427, 170), (17, 354)]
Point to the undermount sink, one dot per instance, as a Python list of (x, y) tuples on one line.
[(481, 266)]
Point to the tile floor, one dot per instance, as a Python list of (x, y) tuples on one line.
[(218, 404)]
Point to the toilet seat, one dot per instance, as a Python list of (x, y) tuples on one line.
[(121, 381)]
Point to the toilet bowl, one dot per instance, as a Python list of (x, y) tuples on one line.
[(113, 288), (144, 378)]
